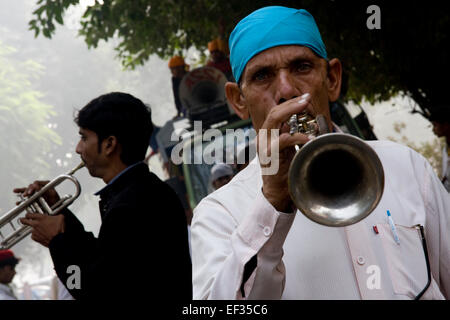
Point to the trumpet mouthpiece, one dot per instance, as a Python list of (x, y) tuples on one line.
[(78, 167)]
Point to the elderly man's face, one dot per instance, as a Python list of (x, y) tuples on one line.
[(282, 73)]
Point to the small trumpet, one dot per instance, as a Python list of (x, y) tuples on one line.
[(334, 179), (37, 204)]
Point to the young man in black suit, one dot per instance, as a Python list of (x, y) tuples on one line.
[(142, 247)]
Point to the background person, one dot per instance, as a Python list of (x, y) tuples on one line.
[(219, 59), (178, 69), (221, 174), (8, 264), (247, 240)]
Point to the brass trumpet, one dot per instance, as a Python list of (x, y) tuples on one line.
[(37, 204), (335, 179)]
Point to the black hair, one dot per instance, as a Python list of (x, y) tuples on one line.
[(123, 116)]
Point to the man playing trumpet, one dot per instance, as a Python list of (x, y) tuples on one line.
[(143, 235), (247, 240)]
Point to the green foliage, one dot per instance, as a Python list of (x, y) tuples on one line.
[(25, 136), (403, 57), (48, 12)]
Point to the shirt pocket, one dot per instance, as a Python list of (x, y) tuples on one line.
[(406, 261)]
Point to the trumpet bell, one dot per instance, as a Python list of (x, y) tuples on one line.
[(336, 180)]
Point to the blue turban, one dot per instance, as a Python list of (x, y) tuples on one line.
[(271, 27)]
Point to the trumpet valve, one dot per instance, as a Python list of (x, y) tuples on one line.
[(303, 123), (293, 124)]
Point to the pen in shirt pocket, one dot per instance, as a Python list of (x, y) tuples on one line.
[(393, 228)]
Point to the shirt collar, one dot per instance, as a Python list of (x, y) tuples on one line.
[(116, 177)]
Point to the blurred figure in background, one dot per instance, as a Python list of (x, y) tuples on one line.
[(441, 127), (221, 174), (179, 69), (8, 264), (219, 59)]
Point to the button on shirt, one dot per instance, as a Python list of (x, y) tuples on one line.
[(300, 259)]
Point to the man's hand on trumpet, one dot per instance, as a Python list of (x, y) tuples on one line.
[(45, 227), (275, 187), (51, 196)]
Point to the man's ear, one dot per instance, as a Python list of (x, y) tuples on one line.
[(110, 145), (236, 99), (334, 79)]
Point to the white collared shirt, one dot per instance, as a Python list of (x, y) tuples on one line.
[(300, 259), (6, 292)]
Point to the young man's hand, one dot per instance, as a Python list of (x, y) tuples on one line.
[(45, 227)]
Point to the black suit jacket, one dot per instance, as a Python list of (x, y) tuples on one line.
[(142, 248)]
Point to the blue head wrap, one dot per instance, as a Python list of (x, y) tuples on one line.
[(271, 27)]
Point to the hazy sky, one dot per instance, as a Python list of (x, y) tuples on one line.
[(73, 75)]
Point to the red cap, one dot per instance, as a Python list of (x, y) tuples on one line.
[(7, 257)]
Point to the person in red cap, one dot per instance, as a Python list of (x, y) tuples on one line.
[(8, 264)]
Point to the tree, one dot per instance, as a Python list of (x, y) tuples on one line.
[(25, 134), (25, 141), (403, 57)]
